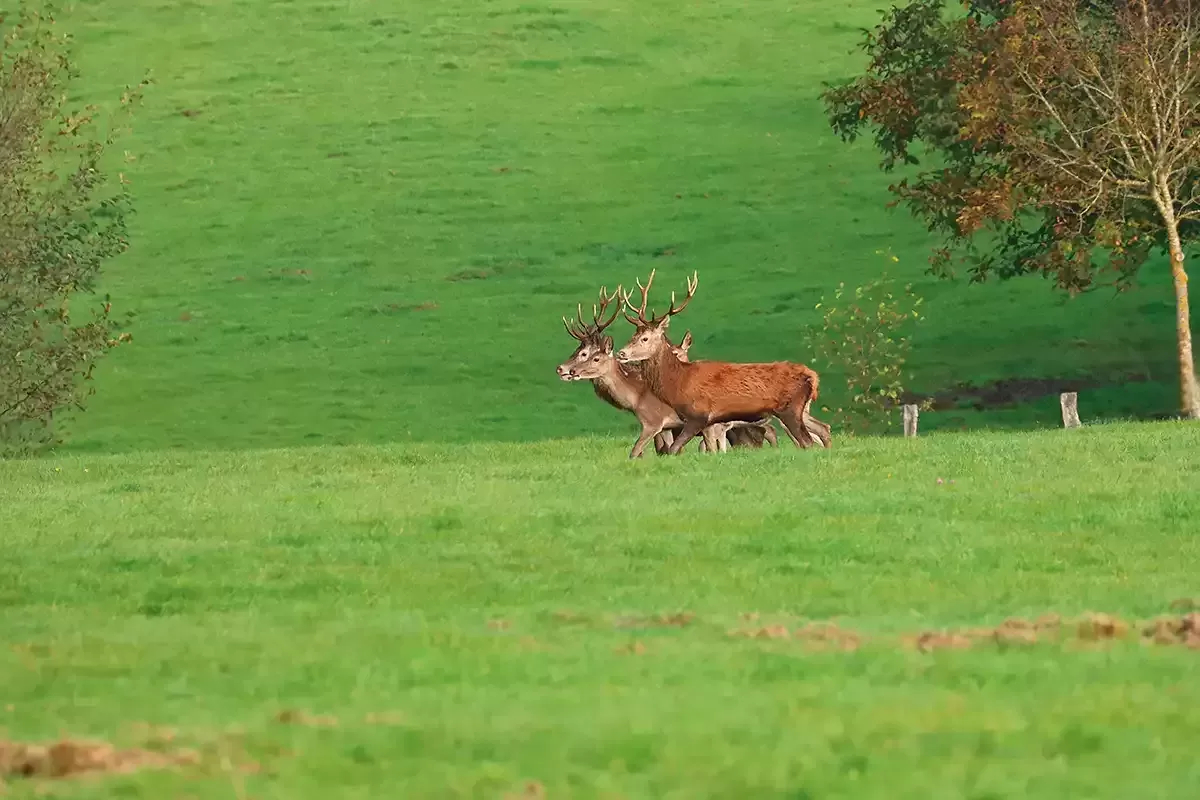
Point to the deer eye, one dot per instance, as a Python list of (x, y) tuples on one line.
[(645, 338), (597, 358), (583, 356)]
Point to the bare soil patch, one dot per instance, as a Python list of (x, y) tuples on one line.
[(1092, 628), (68, 758)]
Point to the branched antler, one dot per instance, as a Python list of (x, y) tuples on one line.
[(581, 330), (640, 311)]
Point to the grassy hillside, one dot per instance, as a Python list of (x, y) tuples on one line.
[(434, 621), (361, 222)]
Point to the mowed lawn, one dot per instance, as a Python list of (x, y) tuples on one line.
[(432, 621), (360, 224)]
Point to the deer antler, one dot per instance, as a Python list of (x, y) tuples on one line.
[(640, 311), (581, 330), (576, 333), (605, 301), (691, 284)]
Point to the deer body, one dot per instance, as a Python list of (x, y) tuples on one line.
[(720, 436), (703, 393), (717, 391)]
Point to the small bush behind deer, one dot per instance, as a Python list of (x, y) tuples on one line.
[(61, 219), (865, 332)]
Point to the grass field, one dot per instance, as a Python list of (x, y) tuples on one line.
[(333, 523), (349, 213), (461, 622)]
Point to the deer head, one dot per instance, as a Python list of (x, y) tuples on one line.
[(593, 344), (650, 335), (680, 350)]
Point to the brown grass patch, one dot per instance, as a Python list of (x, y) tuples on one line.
[(930, 640), (1183, 630), (1095, 627), (69, 758), (828, 636), (765, 632), (677, 620), (531, 791), (291, 716)]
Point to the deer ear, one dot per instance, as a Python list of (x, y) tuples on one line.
[(687, 340), (663, 323), (608, 345)]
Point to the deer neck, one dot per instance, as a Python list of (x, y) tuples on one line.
[(664, 372), (619, 383)]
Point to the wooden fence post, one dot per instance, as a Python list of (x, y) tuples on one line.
[(1070, 409), (910, 420)]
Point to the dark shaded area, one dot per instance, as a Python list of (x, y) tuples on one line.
[(1010, 392)]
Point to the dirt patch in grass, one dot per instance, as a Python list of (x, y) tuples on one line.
[(679, 619), (1093, 628), (293, 716), (68, 758)]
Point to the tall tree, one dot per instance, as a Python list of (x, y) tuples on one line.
[(1068, 133), (61, 219)]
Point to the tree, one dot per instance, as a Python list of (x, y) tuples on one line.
[(1067, 131), (61, 219)]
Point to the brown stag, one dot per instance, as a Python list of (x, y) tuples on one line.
[(706, 392), (617, 384)]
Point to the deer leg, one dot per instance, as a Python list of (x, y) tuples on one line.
[(794, 422), (723, 438), (769, 433), (648, 433), (709, 442), (690, 429), (817, 428)]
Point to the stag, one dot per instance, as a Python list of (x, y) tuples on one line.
[(706, 392), (617, 384), (723, 435)]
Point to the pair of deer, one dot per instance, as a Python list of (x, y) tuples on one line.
[(670, 394)]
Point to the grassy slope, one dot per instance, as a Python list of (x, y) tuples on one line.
[(207, 592), (399, 154)]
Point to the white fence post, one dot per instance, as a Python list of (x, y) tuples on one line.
[(1070, 409)]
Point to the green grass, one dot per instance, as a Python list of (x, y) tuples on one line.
[(336, 473), (455, 176), (207, 592)]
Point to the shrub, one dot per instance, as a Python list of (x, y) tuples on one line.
[(61, 219), (865, 334)]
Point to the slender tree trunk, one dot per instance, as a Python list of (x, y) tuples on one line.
[(1189, 392)]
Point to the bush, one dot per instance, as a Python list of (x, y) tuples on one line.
[(864, 333), (60, 220)]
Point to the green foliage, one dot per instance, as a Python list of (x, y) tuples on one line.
[(865, 335), (995, 215), (470, 619), (1064, 136), (60, 221)]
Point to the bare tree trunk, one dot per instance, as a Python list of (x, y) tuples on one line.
[(1189, 393)]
